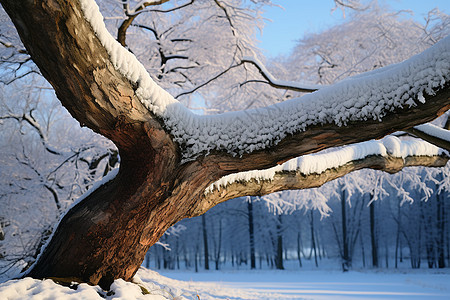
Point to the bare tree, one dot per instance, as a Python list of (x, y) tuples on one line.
[(169, 157)]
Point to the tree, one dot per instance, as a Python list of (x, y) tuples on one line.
[(251, 232), (171, 158)]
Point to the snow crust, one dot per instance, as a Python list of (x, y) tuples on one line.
[(363, 97), (309, 283), (317, 163)]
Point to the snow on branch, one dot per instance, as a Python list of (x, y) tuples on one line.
[(432, 134), (360, 98), (390, 154)]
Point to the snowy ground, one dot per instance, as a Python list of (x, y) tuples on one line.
[(326, 284), (245, 284)]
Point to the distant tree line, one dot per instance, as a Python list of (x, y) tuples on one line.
[(403, 221)]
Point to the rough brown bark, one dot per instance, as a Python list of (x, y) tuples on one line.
[(107, 235)]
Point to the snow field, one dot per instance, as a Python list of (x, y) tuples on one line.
[(245, 284)]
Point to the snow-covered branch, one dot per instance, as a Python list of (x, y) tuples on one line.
[(372, 97), (352, 4), (390, 155), (432, 134)]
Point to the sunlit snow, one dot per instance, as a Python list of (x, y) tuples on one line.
[(435, 131), (368, 96)]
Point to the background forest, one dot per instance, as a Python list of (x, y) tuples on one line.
[(365, 219)]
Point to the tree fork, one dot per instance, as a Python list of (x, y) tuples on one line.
[(105, 236)]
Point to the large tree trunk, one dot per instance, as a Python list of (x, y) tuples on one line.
[(106, 235)]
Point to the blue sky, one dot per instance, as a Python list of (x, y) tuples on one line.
[(303, 16)]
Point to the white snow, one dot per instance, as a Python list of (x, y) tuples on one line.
[(368, 96), (334, 158), (435, 131), (256, 284), (29, 288)]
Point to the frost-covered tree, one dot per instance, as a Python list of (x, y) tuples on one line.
[(175, 164), (43, 170)]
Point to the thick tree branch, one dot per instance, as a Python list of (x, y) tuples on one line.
[(105, 88), (295, 180), (75, 63), (320, 137)]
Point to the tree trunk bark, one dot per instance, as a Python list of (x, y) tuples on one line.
[(251, 233), (106, 235), (345, 253), (205, 243), (130, 212), (279, 256), (440, 230), (373, 238)]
